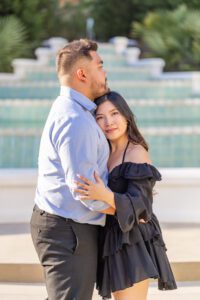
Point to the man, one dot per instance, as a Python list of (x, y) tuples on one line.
[(63, 228)]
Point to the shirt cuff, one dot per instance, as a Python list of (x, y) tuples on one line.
[(95, 205)]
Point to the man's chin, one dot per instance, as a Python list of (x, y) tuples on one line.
[(106, 89), (101, 93)]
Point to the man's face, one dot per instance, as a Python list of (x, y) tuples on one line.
[(96, 76)]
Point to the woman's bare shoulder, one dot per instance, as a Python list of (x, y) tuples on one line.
[(138, 154)]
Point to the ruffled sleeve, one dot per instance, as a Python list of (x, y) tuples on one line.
[(136, 202)]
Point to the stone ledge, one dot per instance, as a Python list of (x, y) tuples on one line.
[(32, 273)]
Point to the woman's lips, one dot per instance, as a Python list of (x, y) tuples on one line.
[(110, 130)]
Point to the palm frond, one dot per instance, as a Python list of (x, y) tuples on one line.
[(12, 41), (173, 36)]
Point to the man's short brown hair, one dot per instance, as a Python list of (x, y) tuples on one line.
[(72, 52)]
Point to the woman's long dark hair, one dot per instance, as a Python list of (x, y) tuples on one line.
[(118, 101)]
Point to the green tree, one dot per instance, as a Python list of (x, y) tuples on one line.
[(73, 18), (172, 35), (41, 18), (112, 18), (141, 8)]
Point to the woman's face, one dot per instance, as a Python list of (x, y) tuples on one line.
[(111, 121)]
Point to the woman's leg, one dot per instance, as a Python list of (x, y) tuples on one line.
[(137, 292)]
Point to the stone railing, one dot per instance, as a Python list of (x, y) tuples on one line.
[(43, 55), (154, 66), (177, 196)]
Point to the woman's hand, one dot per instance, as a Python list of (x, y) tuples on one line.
[(94, 190)]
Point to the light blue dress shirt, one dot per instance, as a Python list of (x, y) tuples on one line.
[(72, 143)]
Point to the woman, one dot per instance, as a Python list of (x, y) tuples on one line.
[(131, 245)]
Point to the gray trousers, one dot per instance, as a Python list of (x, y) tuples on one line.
[(67, 251)]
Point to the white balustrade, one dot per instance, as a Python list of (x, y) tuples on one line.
[(132, 55), (177, 199), (120, 44), (153, 65), (43, 54), (56, 43)]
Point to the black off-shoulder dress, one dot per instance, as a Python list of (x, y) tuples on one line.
[(130, 251)]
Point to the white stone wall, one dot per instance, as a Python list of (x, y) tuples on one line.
[(177, 199), (17, 189)]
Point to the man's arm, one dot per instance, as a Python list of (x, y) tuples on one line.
[(76, 145)]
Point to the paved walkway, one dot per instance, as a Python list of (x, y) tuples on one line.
[(182, 241), (186, 291)]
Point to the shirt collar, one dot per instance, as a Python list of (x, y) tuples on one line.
[(78, 97)]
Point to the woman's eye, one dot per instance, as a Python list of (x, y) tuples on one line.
[(115, 113), (99, 118)]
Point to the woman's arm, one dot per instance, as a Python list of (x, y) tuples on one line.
[(131, 207), (109, 211)]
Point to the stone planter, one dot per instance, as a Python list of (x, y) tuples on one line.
[(120, 44), (132, 55)]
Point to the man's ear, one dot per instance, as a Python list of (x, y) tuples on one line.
[(81, 74)]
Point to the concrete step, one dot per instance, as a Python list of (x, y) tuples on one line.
[(183, 271), (14, 291)]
